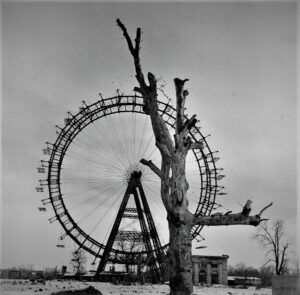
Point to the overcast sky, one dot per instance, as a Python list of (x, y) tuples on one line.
[(241, 62)]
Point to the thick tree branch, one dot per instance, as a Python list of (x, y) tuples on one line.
[(157, 171), (188, 124), (135, 52), (182, 141), (196, 146), (152, 166), (127, 37), (163, 139), (189, 144), (242, 218)]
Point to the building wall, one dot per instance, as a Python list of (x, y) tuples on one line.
[(14, 274), (245, 281), (209, 269), (20, 274)]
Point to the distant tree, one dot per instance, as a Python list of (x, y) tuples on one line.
[(273, 237), (27, 267), (266, 274), (50, 272), (128, 246), (295, 269), (236, 270), (78, 260), (243, 270)]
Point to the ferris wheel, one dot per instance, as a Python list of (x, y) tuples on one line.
[(93, 168)]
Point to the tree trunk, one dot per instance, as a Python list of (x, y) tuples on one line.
[(180, 224), (180, 257)]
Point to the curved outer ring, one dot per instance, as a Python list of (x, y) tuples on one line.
[(95, 111)]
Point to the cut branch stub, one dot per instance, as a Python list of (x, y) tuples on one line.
[(138, 40), (181, 95), (247, 208), (188, 124), (196, 146)]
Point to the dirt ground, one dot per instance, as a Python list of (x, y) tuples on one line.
[(25, 287)]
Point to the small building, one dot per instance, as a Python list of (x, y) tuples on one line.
[(209, 269), (21, 274), (15, 274), (244, 280), (4, 273), (35, 274)]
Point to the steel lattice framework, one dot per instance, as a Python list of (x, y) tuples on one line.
[(148, 234), (74, 124)]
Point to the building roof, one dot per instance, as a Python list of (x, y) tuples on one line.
[(211, 256)]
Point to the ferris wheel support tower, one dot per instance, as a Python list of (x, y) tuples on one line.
[(149, 233)]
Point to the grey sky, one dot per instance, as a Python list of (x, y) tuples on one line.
[(241, 62)]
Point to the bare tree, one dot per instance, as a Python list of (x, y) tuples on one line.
[(266, 274), (296, 267), (174, 185), (273, 238), (50, 272), (241, 269), (130, 246)]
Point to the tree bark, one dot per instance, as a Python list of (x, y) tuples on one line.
[(180, 224), (180, 257)]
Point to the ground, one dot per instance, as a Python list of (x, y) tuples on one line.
[(24, 287)]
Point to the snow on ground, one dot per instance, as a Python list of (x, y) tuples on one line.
[(25, 287)]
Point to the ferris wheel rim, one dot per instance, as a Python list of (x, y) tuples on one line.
[(88, 114)]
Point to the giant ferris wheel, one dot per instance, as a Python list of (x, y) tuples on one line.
[(105, 200)]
